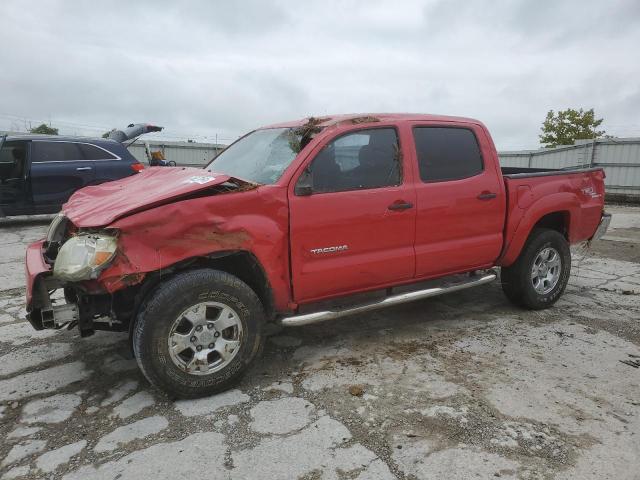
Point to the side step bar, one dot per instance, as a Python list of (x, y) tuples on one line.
[(307, 318)]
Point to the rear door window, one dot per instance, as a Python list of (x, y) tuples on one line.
[(92, 152), (447, 153), (56, 152)]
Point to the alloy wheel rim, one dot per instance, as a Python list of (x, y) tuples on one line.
[(205, 338), (546, 269)]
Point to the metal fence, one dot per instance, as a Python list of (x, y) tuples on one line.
[(619, 157), (183, 153)]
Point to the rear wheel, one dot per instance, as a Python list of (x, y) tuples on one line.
[(198, 333), (540, 274)]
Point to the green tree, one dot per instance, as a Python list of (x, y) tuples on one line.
[(567, 126), (45, 129), (105, 134)]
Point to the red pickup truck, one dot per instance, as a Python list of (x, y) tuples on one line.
[(301, 222)]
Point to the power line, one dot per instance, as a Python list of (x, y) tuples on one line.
[(50, 121), (68, 125)]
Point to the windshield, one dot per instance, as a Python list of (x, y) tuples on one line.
[(260, 157)]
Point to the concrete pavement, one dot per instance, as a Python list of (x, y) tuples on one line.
[(459, 387)]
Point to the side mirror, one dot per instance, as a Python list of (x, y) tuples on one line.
[(303, 187), (303, 190)]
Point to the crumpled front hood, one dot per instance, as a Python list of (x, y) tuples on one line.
[(100, 205)]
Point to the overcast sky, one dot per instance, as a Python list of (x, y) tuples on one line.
[(204, 68)]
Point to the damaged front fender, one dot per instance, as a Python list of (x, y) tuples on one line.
[(157, 239)]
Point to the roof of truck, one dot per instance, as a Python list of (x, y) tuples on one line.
[(327, 120)]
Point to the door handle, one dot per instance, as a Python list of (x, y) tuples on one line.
[(400, 205), (487, 196), (79, 169)]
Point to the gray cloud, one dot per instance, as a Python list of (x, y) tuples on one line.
[(203, 68)]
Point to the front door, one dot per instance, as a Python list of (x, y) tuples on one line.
[(13, 164), (352, 217), (460, 200)]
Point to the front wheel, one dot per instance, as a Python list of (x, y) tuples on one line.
[(540, 274), (198, 333)]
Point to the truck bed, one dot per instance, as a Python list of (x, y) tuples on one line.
[(575, 196)]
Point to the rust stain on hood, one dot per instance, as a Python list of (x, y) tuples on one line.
[(209, 235)]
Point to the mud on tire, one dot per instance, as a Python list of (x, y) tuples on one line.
[(156, 322), (517, 282)]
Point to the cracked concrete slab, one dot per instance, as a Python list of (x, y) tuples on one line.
[(26, 358), (134, 404), (16, 472), (206, 406), (20, 432), (42, 381), (281, 416), (133, 431), (198, 453), (50, 461), (286, 387), (462, 464), (54, 409), (120, 391), (18, 334), (323, 448), (23, 449)]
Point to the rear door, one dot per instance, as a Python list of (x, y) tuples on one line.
[(112, 160), (354, 225), (460, 199), (58, 168)]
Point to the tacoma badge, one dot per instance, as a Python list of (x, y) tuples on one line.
[(337, 248)]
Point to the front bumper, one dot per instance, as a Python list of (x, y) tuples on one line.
[(41, 312), (90, 311), (36, 272), (34, 267), (602, 227)]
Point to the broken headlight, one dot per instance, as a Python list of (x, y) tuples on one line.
[(83, 256), (55, 237)]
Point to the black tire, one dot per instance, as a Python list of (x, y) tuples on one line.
[(70, 295), (516, 279), (165, 305)]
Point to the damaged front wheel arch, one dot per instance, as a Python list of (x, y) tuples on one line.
[(239, 263)]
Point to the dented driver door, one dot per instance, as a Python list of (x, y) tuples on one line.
[(352, 217)]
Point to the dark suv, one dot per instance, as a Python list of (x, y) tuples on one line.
[(39, 173)]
